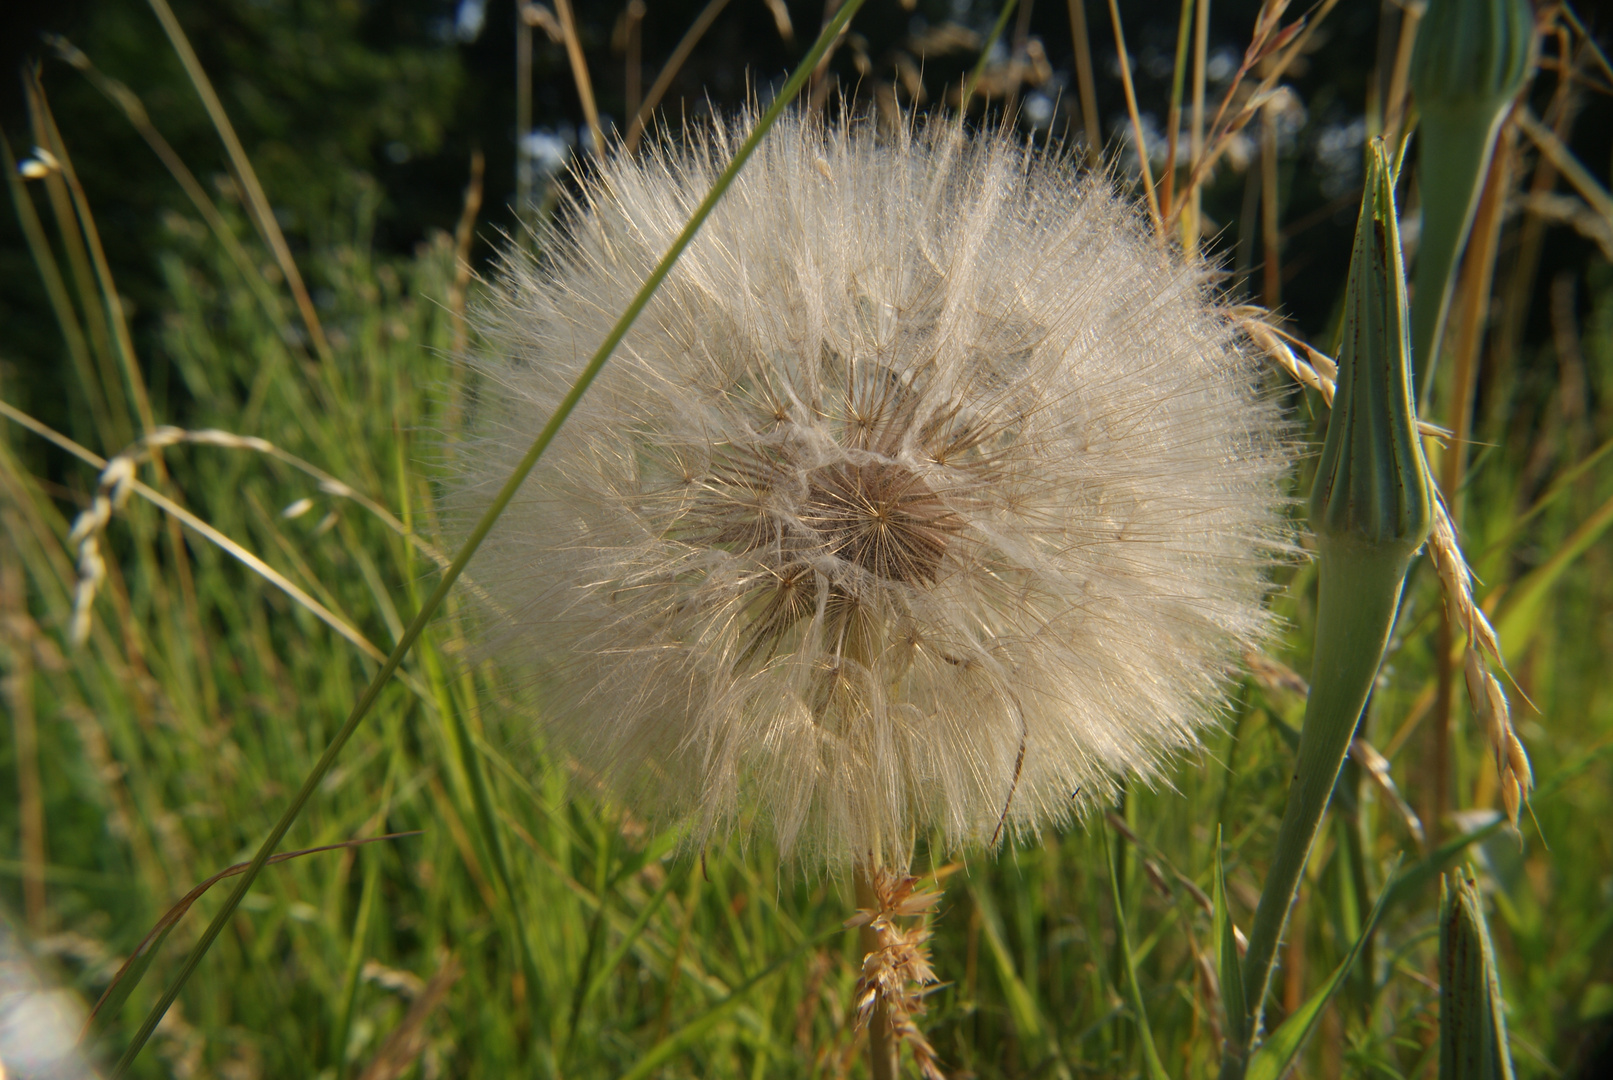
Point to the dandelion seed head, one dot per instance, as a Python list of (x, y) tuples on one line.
[(926, 491)]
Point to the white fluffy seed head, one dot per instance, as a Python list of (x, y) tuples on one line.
[(926, 493)]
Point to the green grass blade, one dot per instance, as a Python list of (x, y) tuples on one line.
[(1154, 1068), (985, 52), (1519, 616), (680, 1039), (1226, 952), (505, 494), (1279, 1051), (629, 937), (1027, 1018), (493, 838)]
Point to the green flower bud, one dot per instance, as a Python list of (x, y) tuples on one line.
[(1472, 1019), (1372, 483), (1471, 58)]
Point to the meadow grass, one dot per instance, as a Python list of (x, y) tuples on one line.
[(531, 927)]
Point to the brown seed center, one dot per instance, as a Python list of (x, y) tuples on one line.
[(881, 517)]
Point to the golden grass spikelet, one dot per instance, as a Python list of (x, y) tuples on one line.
[(896, 972), (926, 492), (1489, 701), (1483, 688)]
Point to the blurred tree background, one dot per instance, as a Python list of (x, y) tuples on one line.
[(361, 116)]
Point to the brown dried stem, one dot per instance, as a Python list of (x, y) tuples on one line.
[(669, 71), (1136, 123), (1084, 81), (579, 72)]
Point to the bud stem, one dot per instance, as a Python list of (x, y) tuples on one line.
[(1454, 161), (1360, 591)]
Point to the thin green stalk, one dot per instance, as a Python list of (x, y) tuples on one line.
[(361, 932), (985, 52), (1153, 1068), (257, 201), (484, 526), (61, 302), (470, 760), (603, 852), (1173, 119)]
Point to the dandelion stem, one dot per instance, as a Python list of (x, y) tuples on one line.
[(881, 1047)]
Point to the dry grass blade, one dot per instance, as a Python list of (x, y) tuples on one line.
[(117, 482), (579, 72), (1573, 212), (1376, 765), (257, 202), (1563, 158), (177, 912), (669, 71), (1123, 56), (1399, 78), (1270, 232), (1281, 45), (781, 19), (1082, 42), (408, 1040), (458, 295), (1317, 370), (464, 233)]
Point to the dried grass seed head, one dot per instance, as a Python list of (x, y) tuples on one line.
[(926, 492)]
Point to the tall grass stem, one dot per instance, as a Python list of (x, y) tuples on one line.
[(485, 525)]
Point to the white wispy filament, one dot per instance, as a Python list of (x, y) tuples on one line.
[(926, 493)]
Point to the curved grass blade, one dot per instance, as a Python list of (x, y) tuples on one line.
[(134, 968), (505, 494), (1271, 1061), (1031, 1027)]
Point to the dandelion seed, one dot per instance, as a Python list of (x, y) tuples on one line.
[(926, 495)]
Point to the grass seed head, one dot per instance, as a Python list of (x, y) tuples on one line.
[(926, 491)]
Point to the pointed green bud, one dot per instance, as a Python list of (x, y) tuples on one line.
[(1472, 1017), (1471, 58), (1372, 484)]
